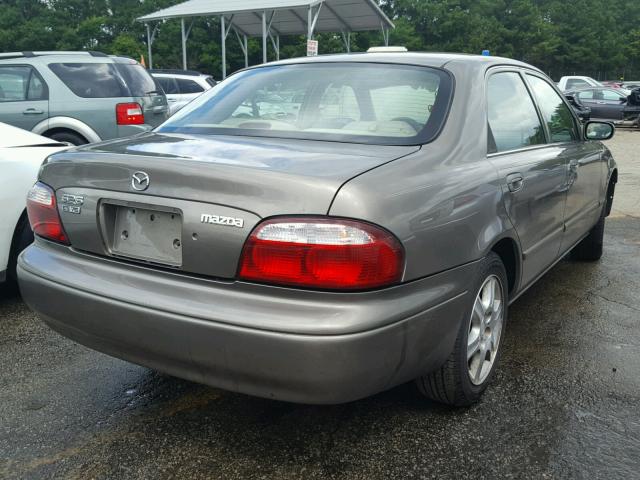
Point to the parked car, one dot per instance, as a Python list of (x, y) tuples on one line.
[(182, 86), (78, 97), (21, 154), (605, 103), (376, 237), (577, 81), (613, 84), (583, 112)]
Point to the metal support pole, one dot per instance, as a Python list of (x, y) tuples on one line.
[(246, 52), (346, 38), (264, 37), (278, 47), (223, 29), (385, 34), (184, 45), (310, 23), (149, 42)]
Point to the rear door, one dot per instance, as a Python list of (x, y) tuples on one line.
[(589, 98), (170, 87), (189, 89), (532, 172), (24, 97)]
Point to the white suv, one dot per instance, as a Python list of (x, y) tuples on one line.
[(182, 86)]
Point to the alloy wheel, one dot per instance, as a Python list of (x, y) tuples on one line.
[(485, 330)]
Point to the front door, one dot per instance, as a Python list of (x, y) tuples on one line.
[(23, 96), (584, 181), (531, 171)]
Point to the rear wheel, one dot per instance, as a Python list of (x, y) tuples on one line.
[(470, 367), (22, 238), (68, 137)]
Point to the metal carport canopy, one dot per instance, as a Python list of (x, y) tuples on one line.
[(270, 19)]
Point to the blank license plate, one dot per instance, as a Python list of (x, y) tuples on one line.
[(150, 235)]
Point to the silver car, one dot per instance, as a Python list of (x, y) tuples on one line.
[(181, 86), (78, 97), (318, 230)]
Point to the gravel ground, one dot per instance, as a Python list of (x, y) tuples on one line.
[(565, 402)]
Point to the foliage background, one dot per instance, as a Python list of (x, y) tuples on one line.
[(599, 38)]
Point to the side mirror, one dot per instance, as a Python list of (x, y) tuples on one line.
[(599, 130)]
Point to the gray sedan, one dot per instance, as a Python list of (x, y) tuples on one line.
[(319, 230)]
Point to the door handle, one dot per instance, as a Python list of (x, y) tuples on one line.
[(32, 111), (515, 182), (601, 103)]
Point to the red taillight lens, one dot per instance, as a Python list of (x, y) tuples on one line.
[(43, 214), (322, 253), (129, 114)]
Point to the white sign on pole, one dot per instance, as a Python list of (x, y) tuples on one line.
[(312, 48)]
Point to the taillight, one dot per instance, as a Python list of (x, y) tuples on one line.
[(322, 253), (129, 114), (43, 214)]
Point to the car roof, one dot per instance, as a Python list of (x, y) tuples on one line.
[(51, 57), (438, 60), (175, 72)]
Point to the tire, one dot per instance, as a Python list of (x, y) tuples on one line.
[(68, 137), (22, 238), (452, 383), (590, 248)]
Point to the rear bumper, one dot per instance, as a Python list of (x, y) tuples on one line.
[(336, 347)]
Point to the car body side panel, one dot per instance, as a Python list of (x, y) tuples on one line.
[(19, 167), (537, 210), (586, 191), (68, 123), (444, 202)]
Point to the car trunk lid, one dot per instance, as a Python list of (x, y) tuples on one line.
[(217, 189)]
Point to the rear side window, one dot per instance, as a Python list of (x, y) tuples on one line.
[(513, 119), (90, 80), (188, 86), (555, 112), (168, 84), (586, 95), (20, 83)]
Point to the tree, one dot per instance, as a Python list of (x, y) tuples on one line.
[(591, 37)]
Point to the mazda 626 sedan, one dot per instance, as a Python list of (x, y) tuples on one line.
[(319, 230)]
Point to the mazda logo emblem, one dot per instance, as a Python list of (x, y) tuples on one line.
[(140, 181)]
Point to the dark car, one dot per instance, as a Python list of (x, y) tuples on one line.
[(321, 229), (605, 102), (583, 112)]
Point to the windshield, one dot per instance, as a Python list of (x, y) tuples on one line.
[(349, 102)]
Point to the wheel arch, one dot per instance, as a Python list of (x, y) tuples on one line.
[(508, 250), (611, 190), (68, 124)]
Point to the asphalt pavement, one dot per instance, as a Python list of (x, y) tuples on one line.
[(565, 402)]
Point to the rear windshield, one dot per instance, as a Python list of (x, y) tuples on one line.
[(105, 80), (347, 102), (138, 80)]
